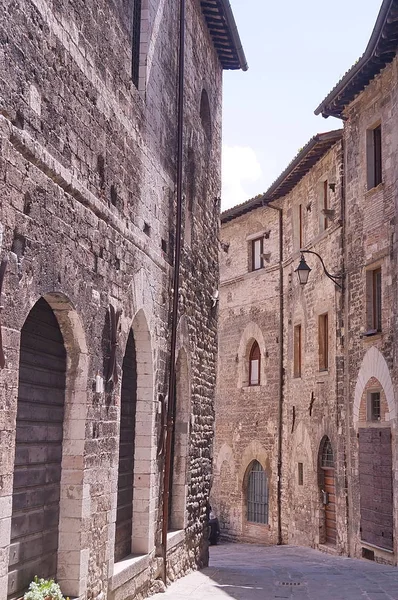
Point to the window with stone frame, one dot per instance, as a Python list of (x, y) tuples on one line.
[(373, 301), (254, 364), (374, 156), (324, 205), (256, 253), (257, 494), (297, 348), (323, 342), (374, 405), (136, 42)]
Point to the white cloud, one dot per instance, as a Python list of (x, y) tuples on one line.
[(240, 169)]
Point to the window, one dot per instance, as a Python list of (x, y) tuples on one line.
[(300, 473), (327, 458), (257, 252), (323, 342), (135, 45), (324, 205), (300, 221), (297, 351), (374, 412), (373, 300), (257, 495), (373, 156), (254, 365)]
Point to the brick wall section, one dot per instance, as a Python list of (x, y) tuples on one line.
[(86, 161)]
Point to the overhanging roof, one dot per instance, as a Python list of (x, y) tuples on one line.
[(300, 165), (380, 51), (221, 23)]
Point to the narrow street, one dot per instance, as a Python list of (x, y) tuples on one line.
[(252, 572)]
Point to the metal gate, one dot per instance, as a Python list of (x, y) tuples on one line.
[(38, 451), (124, 514), (257, 495)]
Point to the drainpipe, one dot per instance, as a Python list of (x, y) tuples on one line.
[(281, 372), (176, 277)]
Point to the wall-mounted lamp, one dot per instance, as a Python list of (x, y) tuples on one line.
[(303, 270), (332, 186)]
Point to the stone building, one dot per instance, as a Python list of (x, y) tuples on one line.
[(367, 100), (99, 149), (335, 450), (280, 437)]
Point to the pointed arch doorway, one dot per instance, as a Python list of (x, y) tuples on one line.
[(38, 450), (327, 487)]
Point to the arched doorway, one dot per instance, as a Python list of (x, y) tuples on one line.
[(328, 493), (128, 404), (38, 450)]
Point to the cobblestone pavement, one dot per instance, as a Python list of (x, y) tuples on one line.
[(252, 572)]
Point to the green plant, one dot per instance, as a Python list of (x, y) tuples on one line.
[(44, 589)]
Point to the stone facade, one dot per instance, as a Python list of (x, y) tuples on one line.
[(87, 221), (338, 459), (247, 416)]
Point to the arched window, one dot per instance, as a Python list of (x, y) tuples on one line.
[(327, 458), (205, 115), (257, 494), (254, 365)]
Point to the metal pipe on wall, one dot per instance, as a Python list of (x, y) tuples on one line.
[(281, 372), (176, 278)]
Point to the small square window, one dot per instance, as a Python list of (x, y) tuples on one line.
[(300, 473), (257, 254), (374, 407), (374, 157), (373, 301)]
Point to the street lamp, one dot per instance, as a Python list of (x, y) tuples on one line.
[(303, 270)]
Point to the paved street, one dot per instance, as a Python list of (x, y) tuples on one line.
[(251, 572)]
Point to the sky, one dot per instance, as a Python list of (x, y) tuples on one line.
[(297, 52)]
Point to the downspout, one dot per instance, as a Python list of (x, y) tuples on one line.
[(281, 373), (176, 278)]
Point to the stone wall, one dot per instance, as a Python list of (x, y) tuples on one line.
[(247, 416), (370, 223), (87, 212)]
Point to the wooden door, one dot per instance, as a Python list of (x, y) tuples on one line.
[(38, 451), (330, 506), (124, 513)]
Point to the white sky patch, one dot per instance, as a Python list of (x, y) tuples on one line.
[(240, 169)]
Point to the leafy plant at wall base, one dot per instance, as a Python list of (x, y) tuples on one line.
[(44, 589)]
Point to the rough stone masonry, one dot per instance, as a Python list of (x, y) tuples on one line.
[(87, 224)]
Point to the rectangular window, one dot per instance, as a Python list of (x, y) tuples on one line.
[(323, 342), (300, 473), (373, 300), (257, 254), (374, 412), (300, 218), (135, 45), (297, 351), (324, 205), (374, 157)]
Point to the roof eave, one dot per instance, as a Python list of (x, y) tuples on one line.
[(325, 107)]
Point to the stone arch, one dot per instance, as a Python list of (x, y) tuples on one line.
[(254, 451), (374, 365), (72, 556), (225, 454), (182, 412), (143, 528), (252, 333)]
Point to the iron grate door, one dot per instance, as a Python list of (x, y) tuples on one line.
[(257, 495)]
